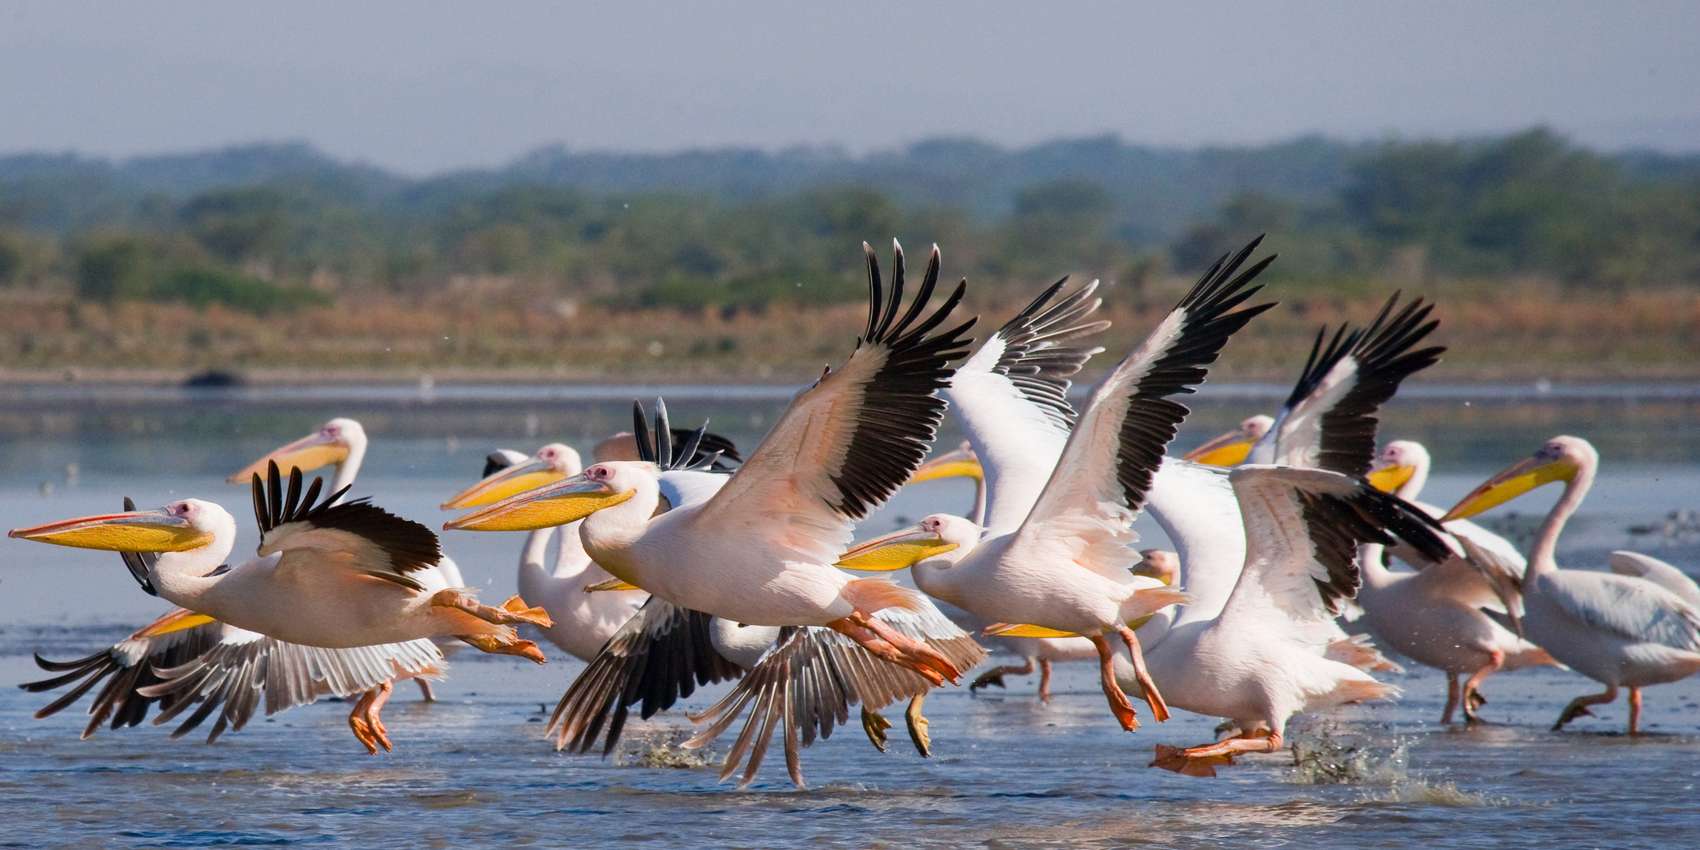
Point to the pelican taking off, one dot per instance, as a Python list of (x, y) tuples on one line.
[(760, 551), (1063, 565), (328, 574)]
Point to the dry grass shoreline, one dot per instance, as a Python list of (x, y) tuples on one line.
[(1501, 331)]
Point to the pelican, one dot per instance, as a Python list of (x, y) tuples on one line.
[(332, 575), (1061, 568), (1619, 630), (807, 676), (1436, 616), (184, 660), (1258, 661), (582, 621), (341, 444), (1037, 652), (760, 550), (1233, 447)]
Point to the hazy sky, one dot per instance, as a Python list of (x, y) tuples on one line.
[(427, 86)]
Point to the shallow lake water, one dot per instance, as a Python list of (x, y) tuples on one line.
[(1007, 771)]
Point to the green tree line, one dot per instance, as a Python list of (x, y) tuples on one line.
[(277, 228)]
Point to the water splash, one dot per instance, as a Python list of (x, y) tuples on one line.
[(663, 748)]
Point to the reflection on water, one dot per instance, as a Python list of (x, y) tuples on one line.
[(1008, 771)]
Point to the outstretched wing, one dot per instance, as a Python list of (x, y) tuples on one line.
[(657, 658), (1100, 483), (355, 535), (185, 661), (128, 666), (847, 443), (244, 669), (807, 682), (1012, 396), (1303, 528), (1329, 420)]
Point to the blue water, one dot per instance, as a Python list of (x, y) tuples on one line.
[(472, 770)]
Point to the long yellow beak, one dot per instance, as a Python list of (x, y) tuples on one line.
[(1230, 449), (895, 551), (960, 463), (1390, 478), (505, 483), (306, 454), (131, 531), (557, 504), (1513, 481)]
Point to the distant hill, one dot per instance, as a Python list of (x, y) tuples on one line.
[(1156, 191)]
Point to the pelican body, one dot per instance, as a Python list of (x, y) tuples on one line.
[(1619, 630)]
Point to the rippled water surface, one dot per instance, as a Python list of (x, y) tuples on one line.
[(471, 770)]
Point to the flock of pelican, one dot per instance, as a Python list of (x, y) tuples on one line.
[(679, 561)]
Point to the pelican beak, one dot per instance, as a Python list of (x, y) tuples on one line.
[(546, 507), (895, 551), (1230, 449), (131, 531), (306, 454), (610, 585), (1513, 481), (960, 463), (505, 483), (1391, 477)]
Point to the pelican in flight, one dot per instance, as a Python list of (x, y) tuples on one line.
[(803, 679), (1061, 566), (1438, 615), (1619, 630), (760, 551), (1232, 447), (1040, 653), (341, 444), (582, 621), (185, 660), (329, 574)]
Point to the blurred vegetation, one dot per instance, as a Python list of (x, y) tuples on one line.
[(562, 238)]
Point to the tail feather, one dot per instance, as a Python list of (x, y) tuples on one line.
[(1144, 602), (1360, 652)]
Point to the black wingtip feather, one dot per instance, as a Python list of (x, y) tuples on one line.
[(1212, 312)]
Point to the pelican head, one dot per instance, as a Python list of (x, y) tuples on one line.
[(1160, 564), (182, 526), (1559, 459), (332, 443), (1398, 463), (552, 463), (1232, 448), (599, 487), (960, 462), (935, 536)]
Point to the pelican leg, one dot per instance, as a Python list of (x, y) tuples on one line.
[(915, 650), (995, 675), (511, 613), (918, 724), (361, 726), (875, 724), (1202, 760), (882, 649), (1153, 697), (1119, 704), (1634, 711), (1451, 698), (380, 695), (1045, 681), (425, 692), (505, 645), (1473, 698), (1579, 706)]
